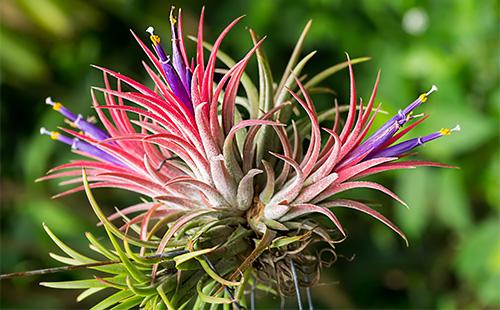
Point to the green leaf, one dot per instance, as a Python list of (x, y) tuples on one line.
[(226, 306), (66, 249), (113, 299), (112, 268), (274, 224), (118, 282), (77, 284), (180, 259), (240, 290), (200, 303), (318, 78), (265, 140), (89, 292), (295, 56), (208, 226), (283, 241), (150, 302), (214, 274), (240, 134), (265, 78), (131, 268), (65, 260), (104, 220), (128, 303), (210, 299), (164, 297), (141, 261), (283, 94), (98, 247), (139, 289)]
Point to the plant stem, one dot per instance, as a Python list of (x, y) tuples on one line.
[(83, 266), (55, 269)]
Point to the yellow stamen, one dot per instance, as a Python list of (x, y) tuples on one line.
[(445, 131), (172, 18), (154, 38), (57, 106), (423, 97), (54, 135)]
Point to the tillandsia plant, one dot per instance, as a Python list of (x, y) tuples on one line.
[(236, 184)]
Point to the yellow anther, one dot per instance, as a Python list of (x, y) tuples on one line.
[(445, 131), (423, 97), (172, 18), (155, 39), (54, 135), (57, 106)]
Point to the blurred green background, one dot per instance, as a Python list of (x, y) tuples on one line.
[(453, 224)]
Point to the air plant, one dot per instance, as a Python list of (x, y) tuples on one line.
[(238, 182)]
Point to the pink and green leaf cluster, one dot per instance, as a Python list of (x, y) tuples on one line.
[(226, 166)]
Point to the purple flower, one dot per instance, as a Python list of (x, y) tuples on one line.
[(180, 66), (386, 131), (78, 121), (79, 145), (172, 74), (406, 146)]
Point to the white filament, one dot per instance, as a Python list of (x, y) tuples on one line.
[(433, 89)]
